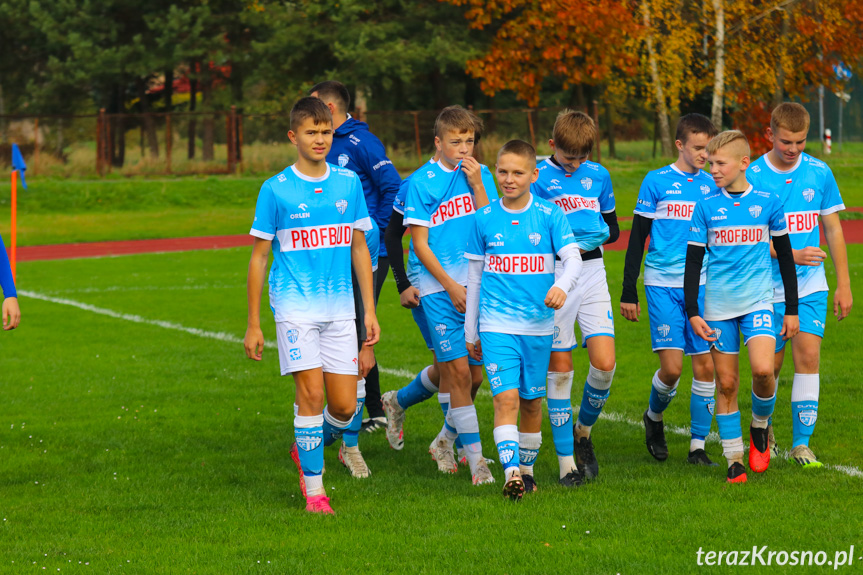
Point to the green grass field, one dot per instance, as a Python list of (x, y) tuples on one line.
[(136, 438)]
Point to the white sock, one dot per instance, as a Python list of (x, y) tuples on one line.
[(566, 463)]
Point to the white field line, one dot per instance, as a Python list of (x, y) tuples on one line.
[(226, 337)]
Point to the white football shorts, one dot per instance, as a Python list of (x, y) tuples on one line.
[(331, 345), (589, 304)]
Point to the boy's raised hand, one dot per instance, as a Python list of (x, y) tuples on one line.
[(555, 298), (790, 327), (475, 350), (472, 171), (701, 329), (254, 343)]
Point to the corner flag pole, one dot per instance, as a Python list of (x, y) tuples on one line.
[(14, 233)]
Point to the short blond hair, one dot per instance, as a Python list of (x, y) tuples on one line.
[(456, 119), (574, 133), (791, 116), (730, 138)]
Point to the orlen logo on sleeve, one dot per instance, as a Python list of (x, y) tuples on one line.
[(738, 236), (519, 264), (453, 208), (801, 222), (315, 237), (675, 210), (571, 204)]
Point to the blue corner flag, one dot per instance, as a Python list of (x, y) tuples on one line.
[(18, 164)]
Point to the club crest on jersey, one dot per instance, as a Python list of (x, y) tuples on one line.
[(664, 330), (293, 335), (506, 455), (341, 206), (808, 194), (534, 238), (808, 417), (308, 442), (558, 417), (491, 368), (754, 211), (705, 189), (282, 178), (343, 160), (440, 329), (717, 333), (586, 183)]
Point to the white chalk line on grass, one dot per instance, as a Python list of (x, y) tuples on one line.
[(226, 337)]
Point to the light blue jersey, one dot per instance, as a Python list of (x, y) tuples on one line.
[(807, 190), (518, 250), (668, 197), (443, 201), (311, 222), (736, 232), (373, 241), (583, 195), (399, 206)]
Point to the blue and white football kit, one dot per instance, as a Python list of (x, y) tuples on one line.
[(443, 201), (310, 222), (807, 191), (583, 195), (513, 252), (736, 232), (668, 197)]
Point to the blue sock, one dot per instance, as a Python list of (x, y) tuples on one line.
[(506, 438), (309, 435), (762, 409), (596, 392), (804, 406), (351, 436), (701, 407), (729, 426), (418, 390), (333, 428), (560, 416), (661, 394)]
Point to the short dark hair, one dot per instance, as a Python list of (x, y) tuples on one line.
[(310, 107), (457, 119), (519, 148), (335, 92), (574, 133), (694, 124)]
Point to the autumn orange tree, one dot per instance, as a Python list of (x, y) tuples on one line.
[(575, 41)]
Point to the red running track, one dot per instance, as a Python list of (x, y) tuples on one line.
[(853, 235)]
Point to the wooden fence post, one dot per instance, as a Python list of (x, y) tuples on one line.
[(169, 141), (530, 127), (598, 133), (36, 146), (417, 136), (100, 119)]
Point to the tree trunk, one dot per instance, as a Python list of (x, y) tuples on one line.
[(719, 67), (149, 124), (169, 89), (661, 106), (119, 133), (207, 137), (609, 128), (779, 93), (193, 120), (3, 135), (361, 102)]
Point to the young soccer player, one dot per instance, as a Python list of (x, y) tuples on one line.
[(583, 190), (313, 215), (439, 208), (511, 295), (735, 225), (663, 211), (427, 382), (11, 313), (808, 190)]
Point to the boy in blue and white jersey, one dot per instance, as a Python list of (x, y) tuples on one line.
[(440, 209), (313, 215), (665, 204), (582, 189), (511, 298), (807, 189), (735, 225)]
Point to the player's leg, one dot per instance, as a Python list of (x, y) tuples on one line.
[(476, 380), (757, 328), (462, 416), (534, 359), (506, 404), (559, 383), (349, 453), (373, 385), (806, 348), (340, 377), (778, 361), (667, 323), (701, 403), (725, 352), (441, 448)]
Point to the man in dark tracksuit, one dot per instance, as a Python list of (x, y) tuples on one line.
[(357, 149)]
